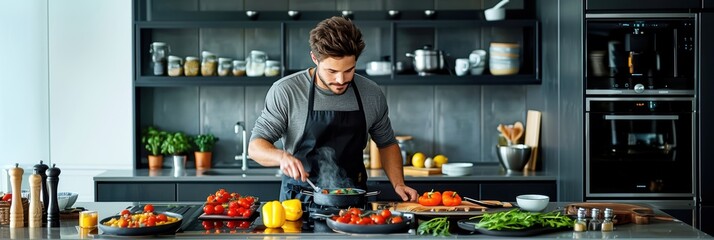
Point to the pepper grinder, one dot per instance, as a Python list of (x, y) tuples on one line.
[(53, 214), (16, 213), (40, 170), (35, 215)]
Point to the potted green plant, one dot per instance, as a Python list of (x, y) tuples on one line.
[(204, 148), (152, 139), (177, 144)]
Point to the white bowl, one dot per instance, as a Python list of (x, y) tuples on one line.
[(495, 14), (457, 169), (379, 68), (532, 202), (66, 199)]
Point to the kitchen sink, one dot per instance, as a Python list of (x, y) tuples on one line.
[(238, 172)]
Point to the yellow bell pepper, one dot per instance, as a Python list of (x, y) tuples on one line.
[(293, 209), (273, 214)]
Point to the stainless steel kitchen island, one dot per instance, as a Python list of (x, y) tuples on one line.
[(69, 230)]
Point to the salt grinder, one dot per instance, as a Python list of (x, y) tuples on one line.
[(40, 169), (16, 212), (53, 214), (35, 215)]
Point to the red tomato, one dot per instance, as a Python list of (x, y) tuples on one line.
[(208, 209), (123, 223), (162, 218), (344, 219), (364, 221), (232, 212), (235, 195), (355, 211), (246, 213), (149, 208), (396, 219), (233, 205), (125, 212), (150, 222), (244, 203), (210, 199), (385, 213), (218, 209), (208, 225), (250, 200), (7, 197), (377, 219)]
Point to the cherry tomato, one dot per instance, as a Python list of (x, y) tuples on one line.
[(246, 213), (150, 222), (125, 213), (7, 197), (208, 209), (364, 221), (210, 199), (162, 218), (235, 195), (250, 200), (123, 223), (343, 219), (396, 219), (385, 213), (244, 203), (232, 212), (377, 219), (233, 205), (208, 225), (218, 209), (149, 208), (355, 211), (244, 224)]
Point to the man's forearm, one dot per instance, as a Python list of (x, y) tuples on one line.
[(391, 159), (265, 153)]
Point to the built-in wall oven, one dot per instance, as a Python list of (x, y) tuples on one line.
[(640, 82)]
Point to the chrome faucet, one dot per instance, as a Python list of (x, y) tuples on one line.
[(240, 126)]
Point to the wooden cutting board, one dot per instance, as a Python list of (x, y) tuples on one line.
[(532, 138), (414, 171), (466, 208), (624, 213)]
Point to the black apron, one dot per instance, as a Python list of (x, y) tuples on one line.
[(345, 133)]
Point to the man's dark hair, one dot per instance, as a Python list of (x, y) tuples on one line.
[(336, 37)]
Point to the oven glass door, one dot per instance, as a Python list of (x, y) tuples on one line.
[(640, 153)]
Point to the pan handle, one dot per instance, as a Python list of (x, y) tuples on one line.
[(375, 193), (309, 193)]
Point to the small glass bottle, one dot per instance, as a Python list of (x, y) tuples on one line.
[(607, 224), (595, 221), (208, 64), (272, 68), (175, 67), (238, 68), (224, 66), (580, 224), (191, 67), (158, 51)]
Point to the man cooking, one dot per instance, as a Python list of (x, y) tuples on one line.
[(324, 115)]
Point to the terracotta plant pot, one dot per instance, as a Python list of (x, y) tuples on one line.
[(156, 162), (203, 160)]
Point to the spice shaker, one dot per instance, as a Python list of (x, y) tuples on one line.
[(580, 224), (53, 214), (34, 218), (16, 212), (595, 222), (607, 224), (41, 169)]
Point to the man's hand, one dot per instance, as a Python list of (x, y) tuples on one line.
[(406, 193), (292, 167)]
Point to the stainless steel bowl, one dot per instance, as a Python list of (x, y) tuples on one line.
[(513, 157), (427, 61)]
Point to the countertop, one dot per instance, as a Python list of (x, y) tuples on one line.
[(479, 173), (68, 230)]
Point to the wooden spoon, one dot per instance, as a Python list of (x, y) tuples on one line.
[(505, 132), (517, 132)]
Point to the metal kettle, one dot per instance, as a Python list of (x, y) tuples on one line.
[(427, 61)]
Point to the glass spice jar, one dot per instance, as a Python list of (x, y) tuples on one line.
[(272, 68), (580, 224), (191, 67), (238, 68), (224, 66), (208, 63), (158, 51), (175, 66)]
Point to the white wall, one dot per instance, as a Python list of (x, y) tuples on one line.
[(86, 127)]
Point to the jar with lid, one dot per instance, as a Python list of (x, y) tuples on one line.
[(208, 63), (580, 224), (405, 146), (595, 222), (255, 64), (238, 68), (158, 51), (191, 67), (175, 66), (224, 66), (607, 224), (272, 68)]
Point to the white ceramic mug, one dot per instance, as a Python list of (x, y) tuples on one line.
[(462, 66), (477, 60)]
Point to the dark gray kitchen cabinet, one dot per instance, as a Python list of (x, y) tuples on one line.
[(708, 4), (134, 191), (706, 129), (508, 191), (198, 191), (641, 5)]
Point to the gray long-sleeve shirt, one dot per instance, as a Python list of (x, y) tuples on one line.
[(286, 106)]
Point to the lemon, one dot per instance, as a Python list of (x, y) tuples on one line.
[(440, 159), (418, 160)]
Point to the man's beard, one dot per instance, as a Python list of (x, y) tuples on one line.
[(319, 76)]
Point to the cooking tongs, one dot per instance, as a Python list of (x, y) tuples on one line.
[(485, 204)]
